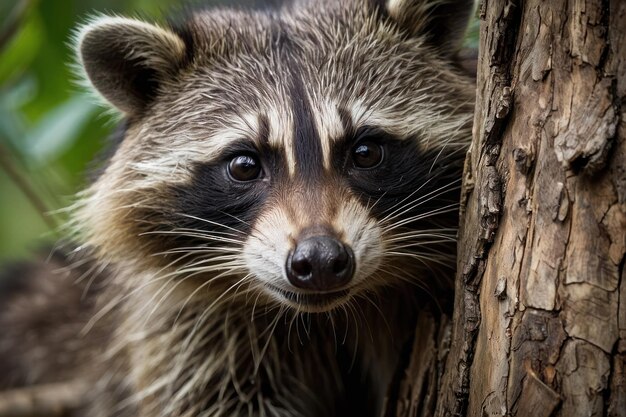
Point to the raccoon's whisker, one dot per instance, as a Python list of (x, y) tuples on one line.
[(206, 266), (211, 222), (187, 231), (200, 287), (362, 314), (272, 328), (194, 234), (200, 320), (84, 274), (417, 237), (214, 233), (391, 210), (109, 306), (437, 257), (234, 217), (233, 297), (187, 343), (295, 315), (299, 316), (443, 147), (435, 212), (417, 241), (100, 313), (306, 325), (354, 311), (164, 296), (432, 215), (247, 224), (378, 200), (347, 319), (416, 281), (329, 316), (389, 269), (435, 254), (343, 309), (434, 251), (199, 250), (71, 266), (422, 200), (366, 297), (413, 205), (209, 265), (92, 279), (448, 155), (402, 276), (196, 271), (451, 231), (259, 291), (423, 258), (423, 244), (281, 310), (199, 267)]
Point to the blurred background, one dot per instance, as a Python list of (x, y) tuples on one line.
[(49, 128)]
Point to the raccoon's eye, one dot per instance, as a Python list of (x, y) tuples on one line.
[(244, 168), (367, 154)]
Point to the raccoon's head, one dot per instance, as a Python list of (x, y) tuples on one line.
[(303, 156)]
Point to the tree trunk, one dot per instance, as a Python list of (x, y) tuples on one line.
[(539, 325)]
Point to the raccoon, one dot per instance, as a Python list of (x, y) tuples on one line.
[(281, 204)]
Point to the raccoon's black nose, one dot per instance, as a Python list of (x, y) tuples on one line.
[(320, 263)]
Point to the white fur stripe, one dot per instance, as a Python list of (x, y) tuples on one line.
[(329, 127)]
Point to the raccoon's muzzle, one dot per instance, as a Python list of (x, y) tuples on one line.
[(320, 301), (320, 263)]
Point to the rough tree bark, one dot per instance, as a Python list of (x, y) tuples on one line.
[(539, 324)]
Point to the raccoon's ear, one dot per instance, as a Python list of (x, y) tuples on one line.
[(126, 60), (443, 22)]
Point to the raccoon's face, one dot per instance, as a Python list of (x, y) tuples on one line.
[(300, 157)]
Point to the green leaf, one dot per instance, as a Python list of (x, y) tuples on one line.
[(21, 50), (59, 129)]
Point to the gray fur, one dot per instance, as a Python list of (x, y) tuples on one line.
[(196, 329)]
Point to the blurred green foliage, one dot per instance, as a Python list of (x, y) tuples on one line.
[(49, 128)]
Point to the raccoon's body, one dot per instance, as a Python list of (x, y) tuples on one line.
[(281, 205)]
